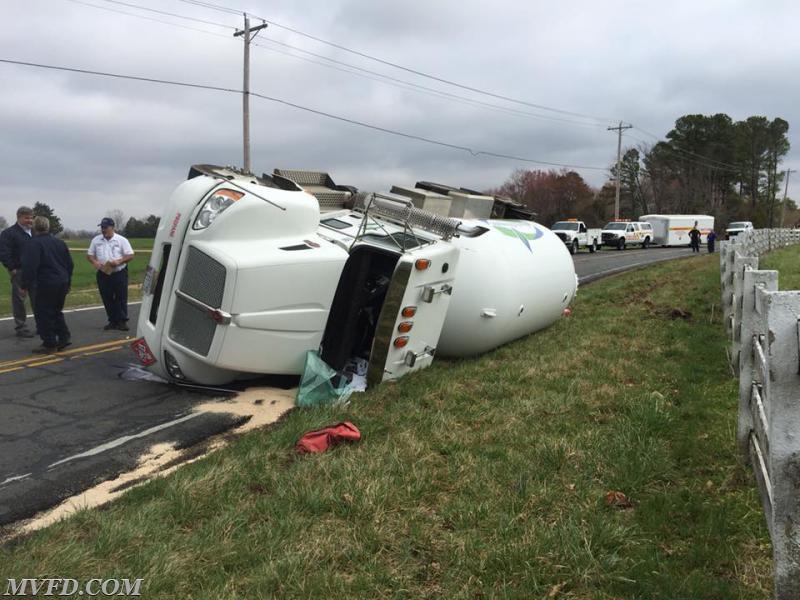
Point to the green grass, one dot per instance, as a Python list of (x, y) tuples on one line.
[(787, 262), (84, 286), (478, 478)]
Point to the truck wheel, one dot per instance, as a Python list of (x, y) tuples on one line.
[(646, 243), (621, 244), (593, 247), (573, 249)]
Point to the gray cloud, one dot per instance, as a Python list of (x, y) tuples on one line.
[(87, 144)]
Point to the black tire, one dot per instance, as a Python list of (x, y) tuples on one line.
[(646, 243), (593, 246), (573, 249), (621, 244)]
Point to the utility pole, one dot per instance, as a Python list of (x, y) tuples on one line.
[(619, 128), (248, 34), (785, 192)]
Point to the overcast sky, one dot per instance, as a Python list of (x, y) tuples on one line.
[(556, 75)]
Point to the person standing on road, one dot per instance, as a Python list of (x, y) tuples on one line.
[(694, 238), (109, 253), (47, 267), (12, 241), (712, 237)]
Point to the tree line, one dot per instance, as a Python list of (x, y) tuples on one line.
[(132, 227), (706, 165)]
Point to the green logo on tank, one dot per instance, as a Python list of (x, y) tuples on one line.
[(525, 236)]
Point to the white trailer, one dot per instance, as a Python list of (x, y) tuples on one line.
[(247, 275), (673, 230)]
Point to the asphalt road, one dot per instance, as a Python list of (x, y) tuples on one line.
[(74, 419)]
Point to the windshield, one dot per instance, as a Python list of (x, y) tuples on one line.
[(739, 225), (616, 226), (565, 226)]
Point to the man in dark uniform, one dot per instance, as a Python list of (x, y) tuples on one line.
[(47, 267), (694, 238), (12, 241)]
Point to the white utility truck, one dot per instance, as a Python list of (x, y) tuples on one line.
[(248, 273), (621, 234), (576, 235), (673, 230), (737, 227)]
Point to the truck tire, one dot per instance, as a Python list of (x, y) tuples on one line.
[(573, 249), (646, 243), (621, 244), (593, 246)]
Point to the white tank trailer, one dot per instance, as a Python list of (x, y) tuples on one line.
[(249, 273)]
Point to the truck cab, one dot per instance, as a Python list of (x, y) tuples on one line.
[(576, 235), (621, 234), (737, 227)]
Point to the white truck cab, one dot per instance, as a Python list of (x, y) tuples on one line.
[(621, 234), (576, 235), (737, 227)]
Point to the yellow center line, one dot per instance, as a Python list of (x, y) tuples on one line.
[(45, 362), (98, 352), (72, 351), (11, 369)]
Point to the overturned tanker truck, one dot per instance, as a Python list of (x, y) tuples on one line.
[(249, 273)]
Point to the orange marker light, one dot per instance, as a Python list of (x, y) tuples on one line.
[(408, 312), (401, 342), (422, 263), (405, 326)]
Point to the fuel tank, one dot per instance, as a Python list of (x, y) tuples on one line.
[(512, 280)]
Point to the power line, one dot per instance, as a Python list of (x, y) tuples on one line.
[(418, 87), (403, 68), (386, 79), (306, 109), (169, 14), (122, 12)]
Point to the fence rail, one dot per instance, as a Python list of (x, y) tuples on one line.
[(763, 325)]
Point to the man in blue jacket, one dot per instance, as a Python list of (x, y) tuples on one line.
[(12, 241), (47, 267)]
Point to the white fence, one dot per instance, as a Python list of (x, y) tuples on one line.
[(764, 328)]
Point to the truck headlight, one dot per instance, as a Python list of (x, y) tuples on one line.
[(216, 203)]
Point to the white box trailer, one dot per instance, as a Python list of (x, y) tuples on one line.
[(673, 230)]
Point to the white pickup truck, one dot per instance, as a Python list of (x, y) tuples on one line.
[(576, 235)]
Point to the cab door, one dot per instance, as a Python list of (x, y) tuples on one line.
[(413, 313)]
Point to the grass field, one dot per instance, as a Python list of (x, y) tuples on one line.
[(84, 287), (787, 262), (595, 459)]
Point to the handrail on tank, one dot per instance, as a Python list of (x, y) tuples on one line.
[(401, 211)]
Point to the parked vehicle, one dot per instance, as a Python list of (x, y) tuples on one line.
[(673, 230), (736, 228), (621, 234), (248, 274), (576, 235)]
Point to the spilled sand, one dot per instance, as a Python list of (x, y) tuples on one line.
[(263, 405)]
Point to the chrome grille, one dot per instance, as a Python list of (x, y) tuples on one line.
[(561, 235), (192, 327), (203, 278)]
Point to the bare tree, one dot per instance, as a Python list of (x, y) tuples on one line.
[(119, 218)]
